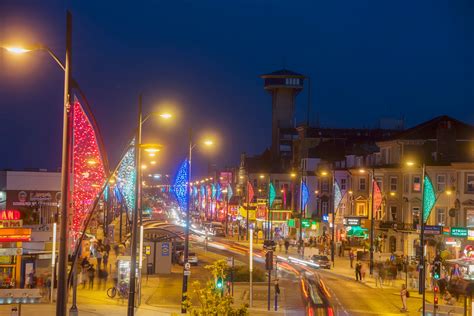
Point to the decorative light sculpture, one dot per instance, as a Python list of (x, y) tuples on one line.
[(126, 177), (304, 195), (181, 184), (88, 168), (337, 195), (271, 195), (429, 198)]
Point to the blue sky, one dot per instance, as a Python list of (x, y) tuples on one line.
[(367, 60)]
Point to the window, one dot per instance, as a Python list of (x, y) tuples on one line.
[(469, 185), (416, 184), (325, 185), (416, 217), (406, 183), (440, 216), (441, 182), (360, 208), (379, 182), (362, 184), (343, 184), (324, 206), (393, 213), (378, 214), (393, 184)]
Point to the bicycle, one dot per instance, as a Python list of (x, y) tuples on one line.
[(121, 290)]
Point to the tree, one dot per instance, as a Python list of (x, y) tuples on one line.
[(211, 299)]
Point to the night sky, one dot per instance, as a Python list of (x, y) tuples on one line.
[(367, 60)]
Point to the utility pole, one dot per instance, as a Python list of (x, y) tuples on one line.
[(186, 228)]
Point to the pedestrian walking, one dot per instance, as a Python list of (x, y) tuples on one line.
[(91, 275), (103, 275), (287, 245), (357, 271), (404, 294), (351, 257), (99, 257), (84, 277)]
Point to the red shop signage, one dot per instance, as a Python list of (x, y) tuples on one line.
[(10, 215)]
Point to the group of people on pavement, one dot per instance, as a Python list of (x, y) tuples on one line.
[(100, 251)]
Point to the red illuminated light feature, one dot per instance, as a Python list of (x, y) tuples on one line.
[(15, 234), (10, 215), (88, 177)]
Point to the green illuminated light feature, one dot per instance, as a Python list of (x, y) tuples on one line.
[(305, 223), (291, 223), (429, 198), (271, 195)]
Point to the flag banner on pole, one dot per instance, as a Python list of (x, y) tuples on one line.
[(429, 198), (230, 193), (304, 194), (250, 192), (88, 168), (337, 196), (271, 195), (181, 184)]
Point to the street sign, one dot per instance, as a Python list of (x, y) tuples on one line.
[(230, 261), (459, 232), (165, 249), (187, 266), (432, 230), (352, 221), (291, 222), (305, 223), (187, 272), (147, 250)]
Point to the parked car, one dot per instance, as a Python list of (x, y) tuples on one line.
[(322, 261), (192, 258), (219, 232)]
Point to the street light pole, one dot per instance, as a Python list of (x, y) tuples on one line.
[(333, 220), (422, 277), (134, 232), (186, 228), (61, 302), (372, 226)]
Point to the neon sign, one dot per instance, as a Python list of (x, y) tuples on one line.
[(10, 215)]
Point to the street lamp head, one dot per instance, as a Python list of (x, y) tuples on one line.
[(208, 142), (17, 50), (324, 173), (410, 163), (166, 116), (293, 175)]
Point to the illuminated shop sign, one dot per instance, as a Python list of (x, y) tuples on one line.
[(15, 234), (459, 232), (352, 221), (10, 215)]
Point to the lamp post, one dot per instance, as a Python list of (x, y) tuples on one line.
[(188, 211), (137, 214), (61, 300)]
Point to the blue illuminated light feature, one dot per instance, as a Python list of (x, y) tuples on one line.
[(214, 191), (181, 185), (304, 194), (218, 191), (203, 192)]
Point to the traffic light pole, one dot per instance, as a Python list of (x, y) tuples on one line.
[(422, 274)]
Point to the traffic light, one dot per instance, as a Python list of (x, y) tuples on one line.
[(436, 270), (435, 291), (269, 260), (219, 283)]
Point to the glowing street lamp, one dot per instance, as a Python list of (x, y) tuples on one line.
[(17, 50)]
